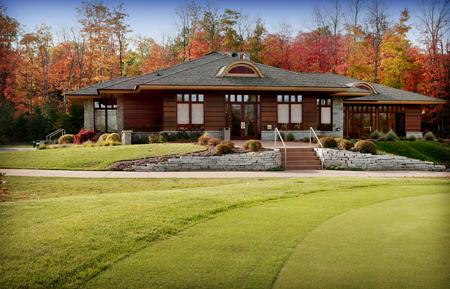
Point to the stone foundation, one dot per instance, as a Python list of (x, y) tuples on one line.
[(254, 161), (369, 162), (298, 134)]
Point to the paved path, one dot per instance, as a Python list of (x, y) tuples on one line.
[(210, 174), (13, 149)]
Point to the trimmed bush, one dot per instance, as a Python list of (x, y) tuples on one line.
[(345, 144), (429, 136), (228, 143), (67, 138), (102, 138), (375, 135), (327, 142), (412, 138), (391, 136), (223, 149), (366, 146), (290, 136), (320, 136), (114, 137), (252, 145), (85, 135), (214, 141)]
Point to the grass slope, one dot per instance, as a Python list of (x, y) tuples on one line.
[(400, 243), (66, 240), (94, 158), (421, 149)]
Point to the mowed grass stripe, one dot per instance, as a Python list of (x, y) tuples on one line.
[(244, 248), (403, 243)]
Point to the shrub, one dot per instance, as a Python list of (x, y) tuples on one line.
[(412, 138), (375, 135), (366, 146), (345, 144), (67, 138), (85, 135), (391, 136), (228, 143), (363, 138), (102, 138), (290, 136), (402, 138), (204, 139), (223, 149), (440, 140), (283, 135), (162, 138), (214, 141), (429, 136), (88, 144), (320, 136), (306, 139), (193, 136), (338, 139), (153, 138), (327, 142), (382, 138), (114, 137), (252, 145)]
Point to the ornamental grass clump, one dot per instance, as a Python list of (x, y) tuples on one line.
[(204, 139), (290, 136), (391, 136), (366, 146), (327, 142), (252, 145), (320, 136), (67, 138), (228, 143), (223, 149), (375, 135), (345, 144), (114, 137), (429, 136), (214, 141), (102, 138), (412, 138)]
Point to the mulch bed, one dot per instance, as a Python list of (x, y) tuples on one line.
[(127, 165)]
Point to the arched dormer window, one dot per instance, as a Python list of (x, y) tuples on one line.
[(240, 68), (365, 86)]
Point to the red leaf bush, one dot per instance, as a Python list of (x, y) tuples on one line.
[(85, 135)]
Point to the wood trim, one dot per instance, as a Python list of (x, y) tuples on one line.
[(351, 94), (397, 102), (224, 71)]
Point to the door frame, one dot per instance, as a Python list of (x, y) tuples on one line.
[(255, 119)]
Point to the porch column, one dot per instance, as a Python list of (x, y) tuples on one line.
[(89, 114), (119, 113), (338, 116)]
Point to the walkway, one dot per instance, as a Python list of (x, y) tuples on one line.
[(221, 174)]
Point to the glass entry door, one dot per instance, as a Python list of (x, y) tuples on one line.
[(243, 121), (363, 124)]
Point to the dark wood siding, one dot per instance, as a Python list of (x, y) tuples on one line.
[(309, 112), (268, 111), (412, 122), (214, 112), (142, 112), (170, 113)]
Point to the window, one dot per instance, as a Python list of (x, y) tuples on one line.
[(324, 114), (190, 112), (105, 115), (290, 114)]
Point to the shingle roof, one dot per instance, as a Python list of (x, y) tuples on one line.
[(203, 71)]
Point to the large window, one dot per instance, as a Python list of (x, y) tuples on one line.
[(190, 112), (324, 114), (105, 112), (290, 114)]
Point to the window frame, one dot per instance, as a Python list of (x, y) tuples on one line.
[(319, 112), (109, 104), (286, 99), (190, 102)]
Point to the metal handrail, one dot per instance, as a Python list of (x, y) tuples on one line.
[(285, 153), (322, 160), (49, 137)]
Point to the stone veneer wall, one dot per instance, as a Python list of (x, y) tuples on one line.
[(254, 161), (348, 159), (89, 114)]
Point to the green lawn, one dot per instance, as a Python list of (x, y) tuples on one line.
[(94, 158), (174, 233), (421, 149)]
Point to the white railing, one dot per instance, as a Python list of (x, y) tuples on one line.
[(48, 138), (285, 153), (322, 159)]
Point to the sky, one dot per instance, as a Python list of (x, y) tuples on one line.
[(153, 18)]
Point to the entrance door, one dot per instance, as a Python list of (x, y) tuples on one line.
[(362, 125), (243, 121), (400, 124)]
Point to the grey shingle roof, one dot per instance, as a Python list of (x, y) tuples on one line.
[(202, 72)]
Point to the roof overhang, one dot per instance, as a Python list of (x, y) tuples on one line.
[(394, 102), (352, 94)]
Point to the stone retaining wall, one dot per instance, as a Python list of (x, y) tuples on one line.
[(348, 159), (254, 161)]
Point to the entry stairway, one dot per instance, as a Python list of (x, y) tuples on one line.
[(300, 159)]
